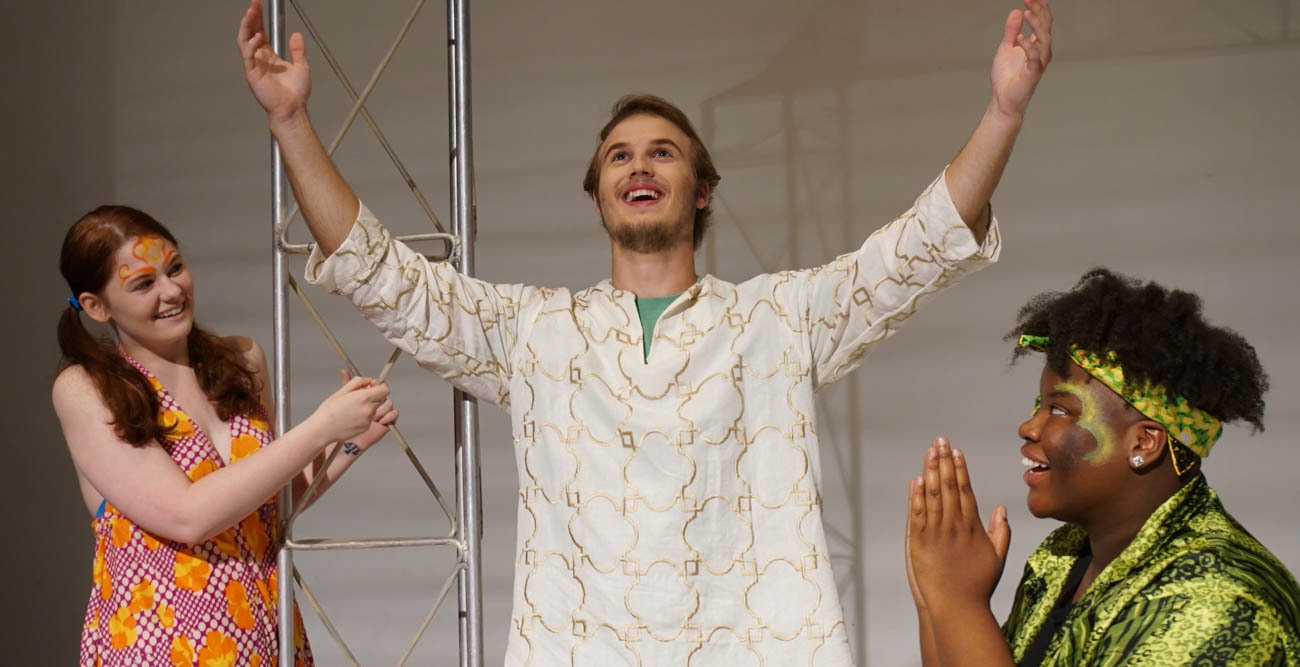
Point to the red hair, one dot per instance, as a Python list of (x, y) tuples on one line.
[(86, 264)]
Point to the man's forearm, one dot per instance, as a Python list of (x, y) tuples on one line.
[(974, 173), (328, 204)]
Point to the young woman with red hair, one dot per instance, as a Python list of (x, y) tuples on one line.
[(170, 433)]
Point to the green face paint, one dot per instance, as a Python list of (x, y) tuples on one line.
[(1090, 419)]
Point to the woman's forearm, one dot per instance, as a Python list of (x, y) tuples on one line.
[(342, 461), (220, 500)]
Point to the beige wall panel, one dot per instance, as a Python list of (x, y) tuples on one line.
[(1161, 143)]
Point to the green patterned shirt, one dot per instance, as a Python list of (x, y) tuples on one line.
[(1193, 588)]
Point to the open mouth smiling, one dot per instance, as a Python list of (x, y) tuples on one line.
[(642, 195), (171, 313), (1034, 469), (1034, 465)]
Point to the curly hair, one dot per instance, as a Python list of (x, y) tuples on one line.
[(1159, 336)]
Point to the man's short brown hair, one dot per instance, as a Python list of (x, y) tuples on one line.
[(638, 104)]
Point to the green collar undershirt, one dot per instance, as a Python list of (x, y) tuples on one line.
[(650, 308)]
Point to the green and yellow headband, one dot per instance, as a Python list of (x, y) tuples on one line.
[(1193, 428)]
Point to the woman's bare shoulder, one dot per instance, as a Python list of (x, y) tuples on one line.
[(73, 383), (249, 350)]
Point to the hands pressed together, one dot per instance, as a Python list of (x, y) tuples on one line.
[(953, 562)]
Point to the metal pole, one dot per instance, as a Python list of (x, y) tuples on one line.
[(468, 509), (280, 391), (853, 476), (466, 533)]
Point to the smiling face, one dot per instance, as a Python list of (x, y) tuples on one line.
[(1072, 449), (149, 298), (647, 193)]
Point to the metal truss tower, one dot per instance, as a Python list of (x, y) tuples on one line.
[(465, 519)]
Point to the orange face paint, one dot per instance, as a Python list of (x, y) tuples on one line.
[(124, 273), (150, 250)]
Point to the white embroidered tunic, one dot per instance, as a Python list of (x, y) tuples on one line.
[(669, 509)]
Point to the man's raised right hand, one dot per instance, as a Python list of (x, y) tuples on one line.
[(280, 86)]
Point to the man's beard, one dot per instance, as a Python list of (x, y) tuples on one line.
[(644, 239), (650, 237)]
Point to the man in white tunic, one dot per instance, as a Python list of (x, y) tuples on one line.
[(669, 475)]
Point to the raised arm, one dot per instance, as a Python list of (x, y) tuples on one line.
[(1018, 65), (145, 484), (282, 87)]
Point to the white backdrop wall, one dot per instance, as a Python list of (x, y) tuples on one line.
[(1161, 143)]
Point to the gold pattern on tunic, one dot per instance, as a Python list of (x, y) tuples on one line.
[(669, 509)]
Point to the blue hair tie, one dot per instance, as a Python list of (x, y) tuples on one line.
[(76, 305)]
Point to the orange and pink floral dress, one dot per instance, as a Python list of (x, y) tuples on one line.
[(157, 602)]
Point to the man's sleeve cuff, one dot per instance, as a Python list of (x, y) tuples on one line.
[(354, 260), (949, 232)]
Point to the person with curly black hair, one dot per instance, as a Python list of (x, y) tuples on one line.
[(1150, 568)]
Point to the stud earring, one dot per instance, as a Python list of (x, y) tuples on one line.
[(1138, 461)]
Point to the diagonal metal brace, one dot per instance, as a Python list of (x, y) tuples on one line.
[(352, 368)]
